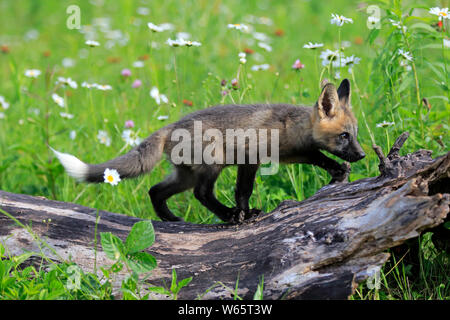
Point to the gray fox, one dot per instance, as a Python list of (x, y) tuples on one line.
[(302, 131)]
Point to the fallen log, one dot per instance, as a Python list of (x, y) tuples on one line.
[(319, 248)]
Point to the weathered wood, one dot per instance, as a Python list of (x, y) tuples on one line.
[(321, 247)]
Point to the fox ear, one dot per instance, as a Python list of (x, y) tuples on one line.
[(344, 92), (328, 101)]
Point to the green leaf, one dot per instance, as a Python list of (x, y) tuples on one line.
[(173, 286), (112, 245), (421, 25), (159, 290), (447, 225), (141, 262), (141, 236), (184, 282)]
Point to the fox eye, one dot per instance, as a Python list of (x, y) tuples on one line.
[(344, 135)]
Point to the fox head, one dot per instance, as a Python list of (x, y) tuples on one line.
[(335, 128)]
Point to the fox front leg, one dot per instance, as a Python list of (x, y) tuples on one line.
[(244, 188), (339, 172)]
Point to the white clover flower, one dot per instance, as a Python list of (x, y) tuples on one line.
[(385, 124), (67, 81), (328, 56), (111, 176), (339, 20), (442, 13), (311, 45), (238, 26), (154, 93), (58, 100), (32, 73), (154, 27), (265, 46), (3, 103), (66, 115), (103, 138), (92, 43), (162, 117), (103, 87), (260, 67), (405, 54)]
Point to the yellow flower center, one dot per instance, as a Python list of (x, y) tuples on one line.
[(110, 178)]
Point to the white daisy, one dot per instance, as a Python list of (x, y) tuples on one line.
[(176, 43), (111, 176), (189, 43), (162, 117), (328, 56), (442, 13), (67, 81), (242, 56), (385, 124), (89, 85), (103, 87), (311, 45), (103, 138), (58, 100), (154, 93), (238, 26), (92, 43), (66, 115), (154, 27), (259, 67), (373, 21), (405, 54), (3, 103), (265, 46), (32, 73), (339, 20), (350, 62)]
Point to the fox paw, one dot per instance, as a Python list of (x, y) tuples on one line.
[(239, 215), (342, 174)]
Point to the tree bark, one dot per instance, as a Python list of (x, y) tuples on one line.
[(319, 248)]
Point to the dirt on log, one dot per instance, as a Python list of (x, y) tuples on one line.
[(319, 248)]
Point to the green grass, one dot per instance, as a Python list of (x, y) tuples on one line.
[(383, 90)]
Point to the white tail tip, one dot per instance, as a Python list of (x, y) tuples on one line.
[(74, 166)]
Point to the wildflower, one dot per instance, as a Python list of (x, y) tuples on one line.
[(68, 62), (4, 49), (89, 85), (136, 84), (154, 93), (238, 26), (312, 46), (92, 43), (442, 13), (235, 84), (328, 56), (58, 100), (405, 64), (67, 81), (298, 65), (259, 67), (224, 92), (129, 124), (398, 25), (279, 32), (223, 82), (248, 51), (183, 35), (103, 87), (166, 26), (103, 138), (385, 124), (126, 72), (111, 176), (446, 43), (350, 62), (260, 36), (405, 54), (176, 43), (66, 115), (339, 20), (143, 11), (189, 43), (187, 102), (163, 117), (131, 138), (373, 21), (138, 64), (265, 46), (242, 56), (337, 75), (3, 103), (154, 27), (72, 134), (32, 73)]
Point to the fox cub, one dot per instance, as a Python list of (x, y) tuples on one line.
[(302, 132)]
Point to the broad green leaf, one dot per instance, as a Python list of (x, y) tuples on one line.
[(173, 286), (112, 245), (141, 262), (141, 236)]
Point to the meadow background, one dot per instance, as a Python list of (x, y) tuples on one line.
[(388, 87)]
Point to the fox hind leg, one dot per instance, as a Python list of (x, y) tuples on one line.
[(180, 180)]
